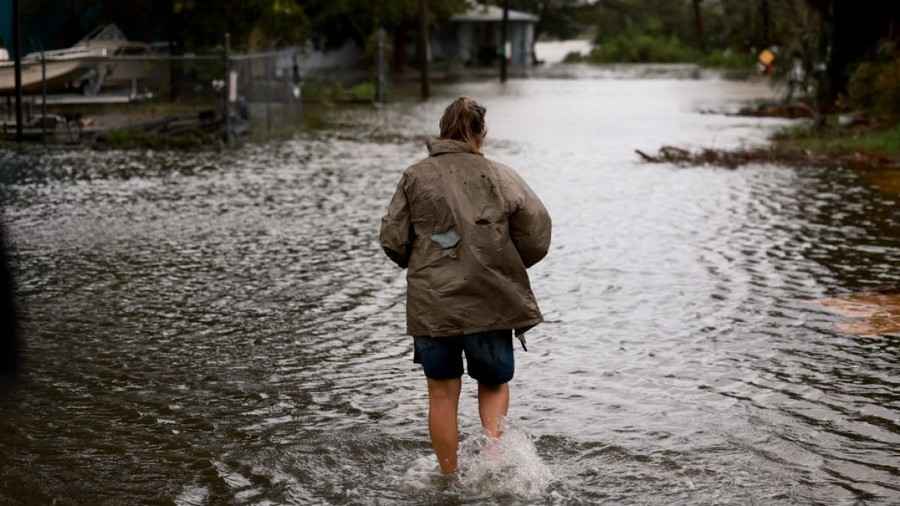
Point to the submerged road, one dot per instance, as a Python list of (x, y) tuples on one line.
[(223, 328)]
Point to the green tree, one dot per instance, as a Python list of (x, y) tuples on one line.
[(251, 23), (336, 21)]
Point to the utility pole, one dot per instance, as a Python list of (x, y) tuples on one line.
[(504, 30), (17, 55), (424, 49)]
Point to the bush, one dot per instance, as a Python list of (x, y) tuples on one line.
[(728, 59), (334, 91), (573, 57), (363, 92), (875, 87), (642, 48)]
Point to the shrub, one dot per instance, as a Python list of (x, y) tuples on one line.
[(875, 85), (363, 91), (728, 59), (642, 48), (573, 57)]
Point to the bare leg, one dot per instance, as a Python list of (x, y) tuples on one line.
[(493, 404), (443, 405)]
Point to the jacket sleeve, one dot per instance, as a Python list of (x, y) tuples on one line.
[(529, 222), (396, 228)]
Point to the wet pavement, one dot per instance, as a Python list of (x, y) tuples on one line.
[(223, 328)]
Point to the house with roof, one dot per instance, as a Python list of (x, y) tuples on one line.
[(474, 37)]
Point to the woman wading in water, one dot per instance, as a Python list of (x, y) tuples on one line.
[(466, 228)]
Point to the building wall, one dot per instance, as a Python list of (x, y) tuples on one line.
[(466, 40), (460, 41), (445, 43)]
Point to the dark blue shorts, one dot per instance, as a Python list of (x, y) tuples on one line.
[(489, 356)]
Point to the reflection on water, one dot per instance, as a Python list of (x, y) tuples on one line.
[(888, 181), (223, 328)]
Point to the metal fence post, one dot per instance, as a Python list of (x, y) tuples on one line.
[(297, 91), (43, 95), (267, 62), (380, 78), (504, 40), (17, 54)]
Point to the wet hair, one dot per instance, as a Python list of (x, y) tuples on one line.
[(463, 120)]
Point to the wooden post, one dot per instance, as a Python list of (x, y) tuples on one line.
[(226, 109), (504, 39), (423, 44), (17, 55)]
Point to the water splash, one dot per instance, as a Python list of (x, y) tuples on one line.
[(509, 466), (488, 468)]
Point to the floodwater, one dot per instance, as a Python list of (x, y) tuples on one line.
[(224, 329)]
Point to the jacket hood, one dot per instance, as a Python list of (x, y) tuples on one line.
[(437, 146)]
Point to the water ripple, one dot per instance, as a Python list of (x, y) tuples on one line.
[(223, 327)]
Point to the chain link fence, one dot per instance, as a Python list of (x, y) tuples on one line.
[(123, 98)]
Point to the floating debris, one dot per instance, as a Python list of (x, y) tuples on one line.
[(732, 159), (873, 314), (791, 111)]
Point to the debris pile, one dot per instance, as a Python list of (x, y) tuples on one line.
[(732, 159)]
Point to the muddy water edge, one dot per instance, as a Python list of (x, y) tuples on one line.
[(219, 328)]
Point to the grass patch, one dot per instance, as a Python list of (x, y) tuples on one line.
[(882, 141), (333, 91)]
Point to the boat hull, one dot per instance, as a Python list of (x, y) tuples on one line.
[(59, 75)]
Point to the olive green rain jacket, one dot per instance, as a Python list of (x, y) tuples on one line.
[(467, 228)]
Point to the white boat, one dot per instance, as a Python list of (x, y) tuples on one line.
[(99, 60)]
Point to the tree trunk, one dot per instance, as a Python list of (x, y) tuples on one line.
[(175, 34), (539, 30), (401, 36), (698, 24), (766, 16), (424, 52), (504, 37)]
